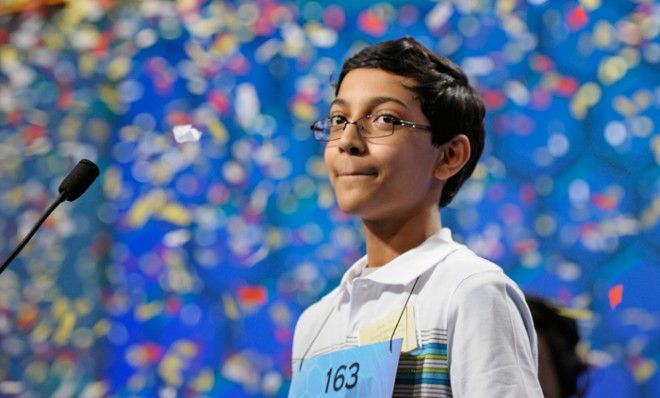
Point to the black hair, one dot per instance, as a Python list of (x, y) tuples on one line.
[(448, 101), (561, 334)]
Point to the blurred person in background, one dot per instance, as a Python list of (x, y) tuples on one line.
[(561, 369)]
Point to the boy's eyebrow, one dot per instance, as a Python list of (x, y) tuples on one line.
[(375, 101)]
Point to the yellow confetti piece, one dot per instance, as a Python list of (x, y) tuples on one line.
[(95, 389), (119, 67), (644, 370), (175, 214), (54, 42), (225, 44), (161, 173), (14, 196), (304, 111), (505, 6), (186, 348), (73, 13), (180, 281), (110, 96), (612, 69), (60, 307), (218, 130), (87, 64), (274, 239), (63, 333), (196, 52), (651, 214), (40, 333), (587, 95), (170, 370), (590, 5), (204, 381), (70, 128), (576, 313), (643, 98), (147, 311), (82, 306), (231, 309), (102, 327), (9, 57), (625, 106), (112, 182), (144, 207), (603, 34)]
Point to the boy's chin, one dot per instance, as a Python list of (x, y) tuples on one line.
[(359, 209)]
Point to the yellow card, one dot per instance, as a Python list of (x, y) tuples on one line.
[(382, 329)]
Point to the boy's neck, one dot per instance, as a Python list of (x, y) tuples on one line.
[(387, 239)]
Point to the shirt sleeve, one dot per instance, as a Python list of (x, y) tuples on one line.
[(492, 348)]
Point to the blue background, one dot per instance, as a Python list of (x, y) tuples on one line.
[(184, 268)]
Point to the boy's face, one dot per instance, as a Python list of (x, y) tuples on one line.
[(386, 178)]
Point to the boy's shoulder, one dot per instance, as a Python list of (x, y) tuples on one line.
[(463, 263)]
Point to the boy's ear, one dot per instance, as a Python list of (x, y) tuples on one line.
[(453, 155)]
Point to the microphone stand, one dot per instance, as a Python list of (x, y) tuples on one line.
[(61, 198)]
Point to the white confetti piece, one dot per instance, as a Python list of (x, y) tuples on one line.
[(186, 133)]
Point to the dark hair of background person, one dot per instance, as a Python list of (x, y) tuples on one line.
[(450, 104), (561, 336)]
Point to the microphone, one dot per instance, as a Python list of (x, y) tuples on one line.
[(78, 180), (73, 185)]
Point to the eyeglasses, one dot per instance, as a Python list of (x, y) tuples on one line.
[(369, 126)]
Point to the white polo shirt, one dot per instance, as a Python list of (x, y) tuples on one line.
[(472, 333)]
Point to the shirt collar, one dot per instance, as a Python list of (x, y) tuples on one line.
[(405, 268)]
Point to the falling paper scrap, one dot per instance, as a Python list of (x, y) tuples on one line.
[(616, 296), (186, 133)]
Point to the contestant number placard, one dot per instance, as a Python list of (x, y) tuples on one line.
[(368, 370)]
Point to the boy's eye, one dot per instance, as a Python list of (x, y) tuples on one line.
[(337, 120), (385, 120)]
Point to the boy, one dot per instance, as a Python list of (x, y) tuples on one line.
[(404, 131)]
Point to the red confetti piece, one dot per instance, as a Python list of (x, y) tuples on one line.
[(152, 353), (173, 305), (27, 317), (604, 202), (567, 86), (541, 63), (372, 23), (33, 132), (493, 99), (252, 295), (616, 296), (65, 99), (525, 246), (577, 18), (219, 102), (178, 118), (103, 44)]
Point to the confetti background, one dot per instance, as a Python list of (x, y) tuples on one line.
[(184, 268)]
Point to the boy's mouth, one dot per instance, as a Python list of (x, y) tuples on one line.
[(356, 173)]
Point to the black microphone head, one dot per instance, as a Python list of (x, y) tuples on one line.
[(78, 180)]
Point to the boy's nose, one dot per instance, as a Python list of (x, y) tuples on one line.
[(351, 141)]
